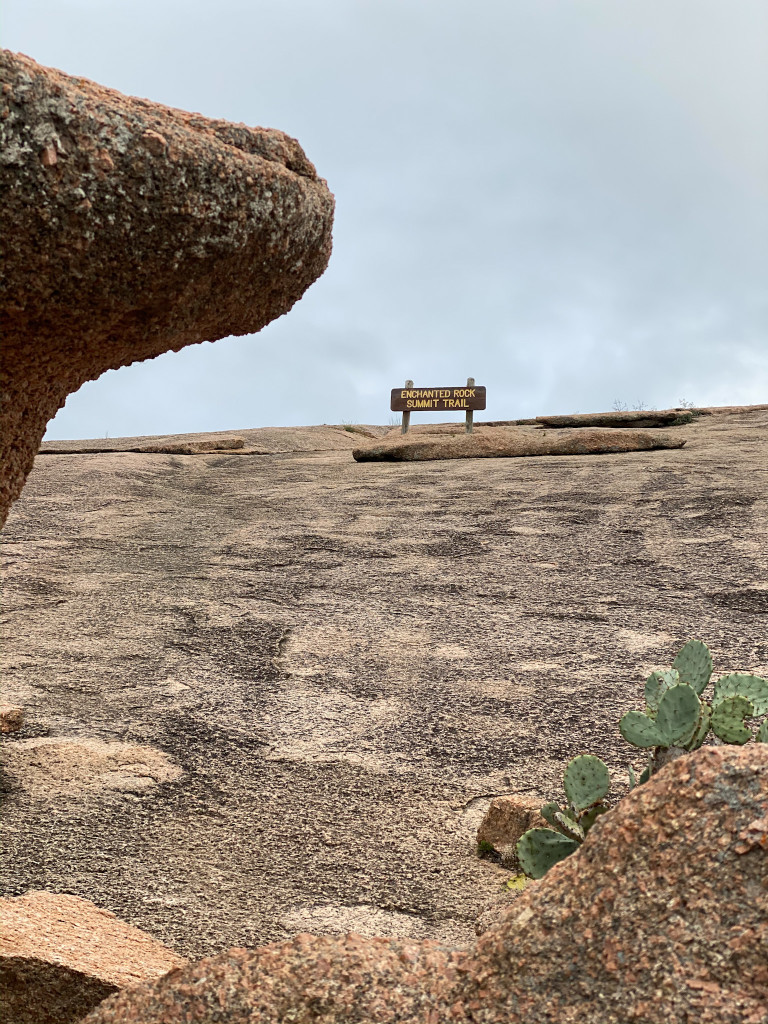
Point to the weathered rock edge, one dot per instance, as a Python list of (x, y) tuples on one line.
[(131, 229), (637, 419), (60, 956), (497, 443), (661, 915)]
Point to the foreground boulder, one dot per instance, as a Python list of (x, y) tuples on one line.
[(662, 915), (130, 229), (498, 443), (60, 956)]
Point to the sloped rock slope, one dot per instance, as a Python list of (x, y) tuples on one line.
[(662, 915), (130, 229)]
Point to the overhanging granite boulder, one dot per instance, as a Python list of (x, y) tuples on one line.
[(131, 229)]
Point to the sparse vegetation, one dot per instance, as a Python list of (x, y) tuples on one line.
[(586, 783), (676, 720)]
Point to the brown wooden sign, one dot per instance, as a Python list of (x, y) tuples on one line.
[(437, 399)]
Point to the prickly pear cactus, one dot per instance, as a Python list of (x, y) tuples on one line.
[(588, 818), (569, 827), (762, 733), (586, 781), (678, 715), (539, 849), (728, 719), (548, 812), (702, 729), (739, 684), (694, 665), (656, 685), (641, 731)]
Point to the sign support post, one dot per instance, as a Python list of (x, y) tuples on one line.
[(406, 412), (470, 412)]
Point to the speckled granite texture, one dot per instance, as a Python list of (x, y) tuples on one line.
[(131, 229), (661, 916)]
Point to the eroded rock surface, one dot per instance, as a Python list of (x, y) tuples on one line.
[(501, 443), (60, 956), (347, 662), (646, 922), (636, 419), (130, 229)]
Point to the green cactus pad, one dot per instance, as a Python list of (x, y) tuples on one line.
[(702, 729), (548, 812), (728, 719), (570, 828), (586, 781), (539, 849), (739, 684), (694, 665), (656, 685), (641, 731), (588, 818), (762, 733), (678, 715)]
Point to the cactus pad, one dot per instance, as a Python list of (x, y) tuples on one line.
[(656, 685), (762, 733), (702, 729), (588, 818), (739, 684), (678, 715), (548, 812), (694, 665), (539, 849), (586, 781), (570, 828), (728, 719), (641, 731)]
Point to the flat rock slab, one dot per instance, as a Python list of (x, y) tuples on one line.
[(252, 441), (60, 956), (498, 443), (637, 419)]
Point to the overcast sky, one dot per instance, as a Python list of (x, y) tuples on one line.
[(565, 199)]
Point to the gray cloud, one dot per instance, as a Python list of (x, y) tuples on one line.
[(567, 201)]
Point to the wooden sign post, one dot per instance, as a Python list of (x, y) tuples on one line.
[(410, 399)]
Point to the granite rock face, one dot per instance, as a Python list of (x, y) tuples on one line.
[(661, 915), (60, 956), (131, 229), (500, 443)]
